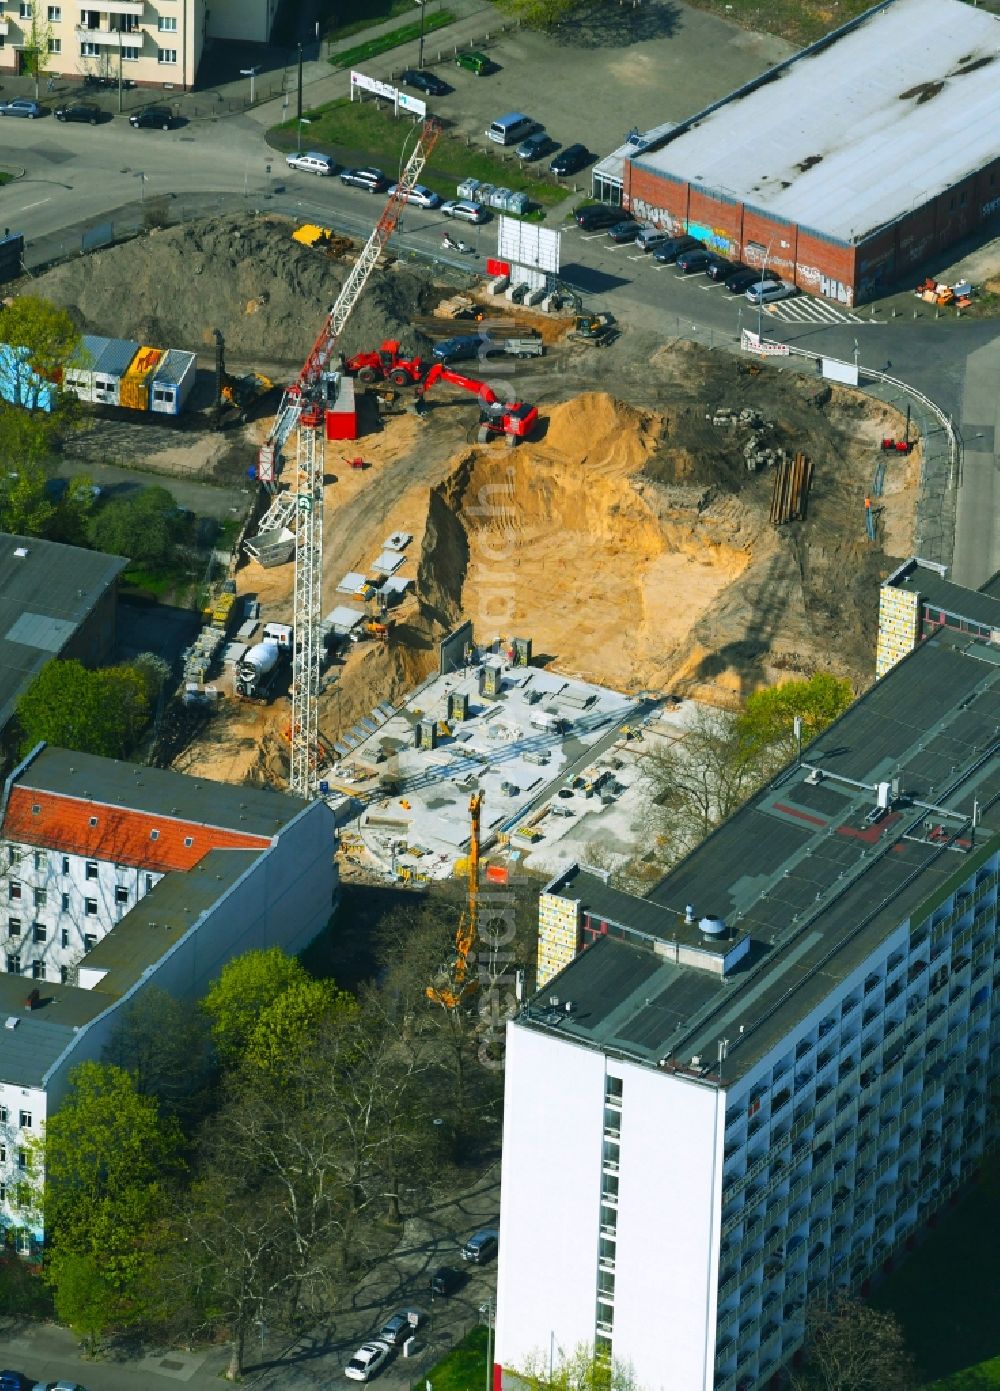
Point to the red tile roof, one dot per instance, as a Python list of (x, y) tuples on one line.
[(139, 838)]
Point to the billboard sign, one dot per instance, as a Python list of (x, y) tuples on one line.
[(361, 82), (527, 244)]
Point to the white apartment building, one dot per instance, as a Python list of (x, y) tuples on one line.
[(154, 43), (113, 878), (700, 1137)]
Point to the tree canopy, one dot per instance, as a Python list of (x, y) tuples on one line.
[(852, 1347), (45, 330), (102, 712), (767, 720), (540, 14), (247, 987), (145, 527)]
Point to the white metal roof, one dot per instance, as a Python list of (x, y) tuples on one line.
[(849, 137), (612, 166)]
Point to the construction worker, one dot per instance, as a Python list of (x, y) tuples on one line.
[(868, 504)]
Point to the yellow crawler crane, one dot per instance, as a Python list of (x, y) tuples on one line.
[(459, 983)]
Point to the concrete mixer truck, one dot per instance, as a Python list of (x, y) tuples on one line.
[(259, 666)]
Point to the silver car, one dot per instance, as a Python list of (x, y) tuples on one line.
[(767, 291), (312, 162), (465, 210), (420, 196), (20, 106)]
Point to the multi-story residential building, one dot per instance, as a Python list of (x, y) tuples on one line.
[(154, 43), (754, 1087), (114, 878)]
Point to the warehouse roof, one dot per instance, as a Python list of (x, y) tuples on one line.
[(47, 591), (975, 606), (891, 109), (811, 871)]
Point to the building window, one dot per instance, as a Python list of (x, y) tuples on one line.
[(121, 893), (3, 1115), (55, 14), (167, 24), (26, 14), (91, 869), (154, 835), (613, 1088), (3, 1154), (90, 19), (90, 907), (14, 965), (65, 936), (129, 53), (188, 842), (38, 970), (14, 891), (89, 50), (25, 1120), (149, 882), (41, 932), (89, 941), (40, 895), (3, 1192), (14, 926), (166, 55), (41, 860), (65, 867), (65, 903), (64, 974)]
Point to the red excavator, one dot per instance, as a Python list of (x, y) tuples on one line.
[(390, 361), (515, 420)]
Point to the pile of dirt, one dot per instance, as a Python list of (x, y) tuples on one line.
[(248, 278)]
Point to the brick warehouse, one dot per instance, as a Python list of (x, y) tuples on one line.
[(850, 164)]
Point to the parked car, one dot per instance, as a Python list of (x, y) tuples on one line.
[(718, 268), (312, 162), (446, 1280), (369, 177), (481, 1246), (369, 1359), (14, 1381), (21, 106), (425, 82), (535, 146), (625, 231), (741, 279), (476, 63), (593, 217), (152, 117), (420, 196), (82, 112), (650, 238), (460, 348), (570, 160), (694, 259), (667, 252), (398, 1328), (767, 291), (465, 210)]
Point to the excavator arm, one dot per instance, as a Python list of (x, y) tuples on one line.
[(440, 372)]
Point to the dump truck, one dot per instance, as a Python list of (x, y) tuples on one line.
[(259, 666)]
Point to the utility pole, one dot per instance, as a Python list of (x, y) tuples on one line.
[(420, 53), (298, 109), (120, 72)]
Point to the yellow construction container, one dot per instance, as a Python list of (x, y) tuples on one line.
[(135, 383)]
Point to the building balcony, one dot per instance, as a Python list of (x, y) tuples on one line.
[(110, 38), (134, 8)]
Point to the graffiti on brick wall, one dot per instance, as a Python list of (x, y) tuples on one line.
[(835, 289), (988, 209), (715, 237), (659, 217)]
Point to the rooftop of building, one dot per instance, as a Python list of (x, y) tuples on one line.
[(499, 749), (47, 590), (160, 793), (612, 166), (161, 918), (930, 582), (891, 109), (810, 871), (30, 1047)]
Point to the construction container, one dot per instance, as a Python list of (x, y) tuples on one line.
[(490, 681), (497, 874), (425, 735), (458, 705), (518, 204), (342, 415), (133, 393), (272, 547), (521, 652), (172, 382), (469, 188), (498, 199), (19, 383)]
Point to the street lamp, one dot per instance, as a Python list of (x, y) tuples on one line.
[(252, 74), (420, 51), (303, 121), (142, 186), (760, 297)]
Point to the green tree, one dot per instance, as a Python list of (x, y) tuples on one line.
[(582, 1369), (102, 712), (246, 987), (35, 55), (541, 14), (293, 1020), (26, 509), (766, 725), (145, 527), (851, 1347), (110, 1159), (46, 331), (167, 1049)]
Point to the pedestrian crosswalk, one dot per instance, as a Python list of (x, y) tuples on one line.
[(803, 309)]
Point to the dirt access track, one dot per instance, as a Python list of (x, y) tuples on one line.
[(628, 539)]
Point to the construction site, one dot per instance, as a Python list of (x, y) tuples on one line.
[(673, 522)]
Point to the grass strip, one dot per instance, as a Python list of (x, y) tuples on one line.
[(406, 33)]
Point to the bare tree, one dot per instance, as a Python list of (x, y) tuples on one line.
[(584, 1368), (852, 1347)]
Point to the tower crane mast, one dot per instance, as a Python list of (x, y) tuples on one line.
[(303, 408)]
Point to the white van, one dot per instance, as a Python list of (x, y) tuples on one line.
[(512, 128), (650, 238)]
